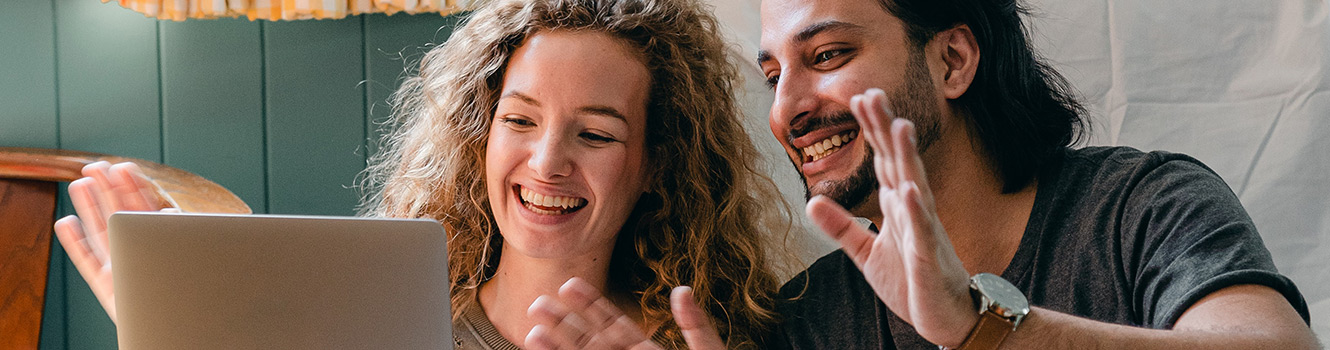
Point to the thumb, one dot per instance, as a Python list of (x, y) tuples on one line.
[(696, 326)]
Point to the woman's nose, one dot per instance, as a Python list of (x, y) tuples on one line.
[(550, 158)]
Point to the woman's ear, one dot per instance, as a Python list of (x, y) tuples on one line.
[(960, 53)]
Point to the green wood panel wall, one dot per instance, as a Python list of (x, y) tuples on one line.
[(212, 103), (108, 96), (281, 113), (316, 114), (390, 56), (27, 79)]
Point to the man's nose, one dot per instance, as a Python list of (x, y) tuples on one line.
[(550, 159), (796, 100)]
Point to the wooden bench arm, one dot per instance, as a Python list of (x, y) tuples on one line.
[(175, 188)]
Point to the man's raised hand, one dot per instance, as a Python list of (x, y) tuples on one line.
[(910, 263)]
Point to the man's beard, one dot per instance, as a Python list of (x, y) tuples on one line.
[(912, 101)]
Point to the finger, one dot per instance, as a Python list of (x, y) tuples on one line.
[(565, 326), (856, 110), (924, 221), (90, 215), (540, 338), (875, 107), (911, 166), (867, 125), (623, 333), (100, 173), (697, 329), (578, 294), (895, 221), (128, 184), (69, 231), (873, 130), (840, 225)]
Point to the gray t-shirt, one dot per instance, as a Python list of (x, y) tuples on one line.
[(1116, 235)]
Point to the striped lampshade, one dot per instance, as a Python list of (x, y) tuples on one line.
[(179, 10)]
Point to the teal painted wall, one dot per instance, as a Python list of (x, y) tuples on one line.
[(281, 113)]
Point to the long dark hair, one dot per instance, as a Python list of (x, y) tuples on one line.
[(1023, 112)]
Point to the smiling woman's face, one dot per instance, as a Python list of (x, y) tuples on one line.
[(565, 162)]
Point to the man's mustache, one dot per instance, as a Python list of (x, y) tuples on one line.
[(815, 123)]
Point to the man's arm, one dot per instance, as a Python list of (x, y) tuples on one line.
[(912, 268), (1237, 317)]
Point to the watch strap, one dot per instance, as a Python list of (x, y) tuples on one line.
[(989, 333)]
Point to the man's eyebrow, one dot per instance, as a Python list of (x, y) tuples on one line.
[(763, 56), (824, 26), (811, 31), (521, 97), (603, 111)]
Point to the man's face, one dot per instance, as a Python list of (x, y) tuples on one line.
[(819, 54)]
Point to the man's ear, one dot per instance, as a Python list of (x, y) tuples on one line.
[(960, 53)]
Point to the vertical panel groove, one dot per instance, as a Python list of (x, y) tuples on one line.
[(365, 84), (161, 102), (59, 144), (263, 119), (55, 69)]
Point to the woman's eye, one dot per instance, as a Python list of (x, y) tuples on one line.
[(597, 138), (516, 122)]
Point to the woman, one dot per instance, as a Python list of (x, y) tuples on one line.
[(553, 139)]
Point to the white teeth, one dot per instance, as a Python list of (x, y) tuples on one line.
[(534, 198), (827, 146)]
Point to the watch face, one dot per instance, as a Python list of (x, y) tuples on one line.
[(1008, 300)]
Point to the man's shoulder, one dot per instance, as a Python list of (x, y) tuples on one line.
[(1120, 161), (1108, 172)]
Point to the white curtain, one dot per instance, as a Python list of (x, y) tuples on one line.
[(1238, 84)]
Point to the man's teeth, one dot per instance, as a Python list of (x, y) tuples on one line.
[(828, 146), (551, 201)]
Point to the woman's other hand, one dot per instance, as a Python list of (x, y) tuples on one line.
[(103, 190), (580, 317)]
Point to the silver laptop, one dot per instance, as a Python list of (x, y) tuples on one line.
[(202, 281)]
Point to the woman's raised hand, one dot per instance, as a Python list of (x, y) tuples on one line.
[(581, 318), (103, 190)]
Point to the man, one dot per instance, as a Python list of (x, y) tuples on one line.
[(1110, 247), (1113, 248)]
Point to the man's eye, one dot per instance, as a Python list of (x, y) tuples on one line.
[(826, 56), (772, 81)]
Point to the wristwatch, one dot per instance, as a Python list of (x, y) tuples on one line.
[(1001, 309)]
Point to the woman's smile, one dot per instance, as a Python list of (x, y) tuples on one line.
[(548, 204)]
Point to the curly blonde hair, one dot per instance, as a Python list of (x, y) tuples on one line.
[(706, 212)]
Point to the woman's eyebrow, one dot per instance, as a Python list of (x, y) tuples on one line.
[(603, 110), (521, 97)]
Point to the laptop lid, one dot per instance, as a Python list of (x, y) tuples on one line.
[(210, 281)]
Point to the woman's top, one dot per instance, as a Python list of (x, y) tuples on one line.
[(475, 332)]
